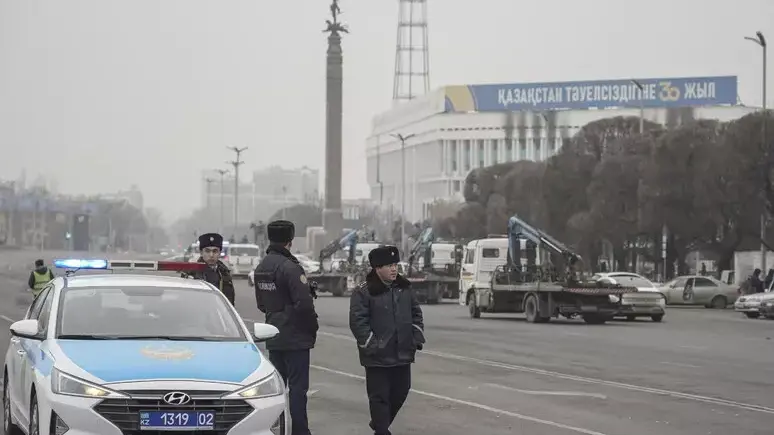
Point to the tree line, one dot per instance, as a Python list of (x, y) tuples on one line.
[(707, 182)]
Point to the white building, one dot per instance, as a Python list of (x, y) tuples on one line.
[(261, 193), (459, 128)]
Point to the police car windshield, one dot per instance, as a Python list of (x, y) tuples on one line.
[(146, 313)]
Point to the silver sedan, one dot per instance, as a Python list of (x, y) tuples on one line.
[(699, 290)]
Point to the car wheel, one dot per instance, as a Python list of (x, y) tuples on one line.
[(34, 428), (8, 427), (718, 303), (752, 315), (657, 318)]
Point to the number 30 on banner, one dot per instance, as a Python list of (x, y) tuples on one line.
[(669, 92)]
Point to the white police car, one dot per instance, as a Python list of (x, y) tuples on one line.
[(128, 354)]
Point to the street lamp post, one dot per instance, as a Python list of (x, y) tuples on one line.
[(642, 105), (222, 173), (403, 140), (236, 164), (208, 192), (761, 40)]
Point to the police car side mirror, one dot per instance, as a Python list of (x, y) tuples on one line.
[(27, 328), (263, 332)]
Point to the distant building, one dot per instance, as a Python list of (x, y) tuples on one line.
[(260, 195), (133, 197), (456, 129)]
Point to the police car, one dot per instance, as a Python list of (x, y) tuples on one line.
[(118, 354)]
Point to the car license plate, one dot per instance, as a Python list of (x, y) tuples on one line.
[(177, 420)]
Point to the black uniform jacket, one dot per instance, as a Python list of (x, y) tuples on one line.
[(283, 294), (386, 322), (220, 277)]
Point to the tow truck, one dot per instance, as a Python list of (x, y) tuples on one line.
[(534, 286), (336, 280), (436, 277)]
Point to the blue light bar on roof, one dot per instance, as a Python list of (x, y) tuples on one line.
[(76, 263)]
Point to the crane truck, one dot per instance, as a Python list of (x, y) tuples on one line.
[(335, 281), (438, 274), (531, 284)]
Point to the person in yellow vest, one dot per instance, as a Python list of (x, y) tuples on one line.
[(39, 277)]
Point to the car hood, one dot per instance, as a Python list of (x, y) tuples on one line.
[(113, 361), (756, 297)]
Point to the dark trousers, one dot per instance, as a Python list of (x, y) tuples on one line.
[(293, 366), (387, 389)]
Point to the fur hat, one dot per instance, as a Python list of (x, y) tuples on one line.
[(384, 256), (281, 232), (211, 240)]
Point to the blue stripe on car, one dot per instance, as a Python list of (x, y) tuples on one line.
[(137, 360)]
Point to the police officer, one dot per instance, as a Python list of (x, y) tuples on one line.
[(217, 274), (39, 277), (284, 295), (386, 320)]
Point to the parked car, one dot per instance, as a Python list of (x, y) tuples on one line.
[(756, 304), (699, 290)]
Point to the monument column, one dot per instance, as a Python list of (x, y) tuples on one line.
[(333, 219)]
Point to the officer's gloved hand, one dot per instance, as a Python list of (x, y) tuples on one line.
[(420, 346), (313, 289)]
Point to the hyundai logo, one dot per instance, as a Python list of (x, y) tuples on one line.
[(176, 398)]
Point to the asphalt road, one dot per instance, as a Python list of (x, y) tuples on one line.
[(700, 372)]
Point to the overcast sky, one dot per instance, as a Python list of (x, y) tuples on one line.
[(103, 94)]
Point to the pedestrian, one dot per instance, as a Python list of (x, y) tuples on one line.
[(217, 274), (39, 277), (386, 320), (283, 293), (756, 285), (769, 278)]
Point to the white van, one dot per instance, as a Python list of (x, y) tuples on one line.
[(481, 258), (241, 258)]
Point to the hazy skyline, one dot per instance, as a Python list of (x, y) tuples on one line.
[(104, 94)]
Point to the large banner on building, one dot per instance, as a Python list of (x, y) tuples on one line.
[(601, 94)]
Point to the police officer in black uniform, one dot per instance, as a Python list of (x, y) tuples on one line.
[(217, 274), (386, 320), (284, 295)]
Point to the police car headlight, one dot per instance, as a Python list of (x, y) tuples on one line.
[(62, 383), (269, 386)]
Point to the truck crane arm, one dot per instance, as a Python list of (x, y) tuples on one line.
[(423, 242), (518, 228), (350, 240)]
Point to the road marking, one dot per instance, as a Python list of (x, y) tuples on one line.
[(7, 319), (471, 404), (680, 364), (548, 393), (558, 375)]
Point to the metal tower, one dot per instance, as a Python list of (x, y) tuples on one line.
[(412, 57)]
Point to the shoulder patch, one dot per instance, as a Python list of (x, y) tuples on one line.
[(303, 279)]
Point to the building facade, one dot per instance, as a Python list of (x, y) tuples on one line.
[(261, 194), (456, 129)]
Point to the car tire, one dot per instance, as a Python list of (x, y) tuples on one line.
[(657, 318), (9, 428), (719, 303), (34, 428), (752, 315)]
